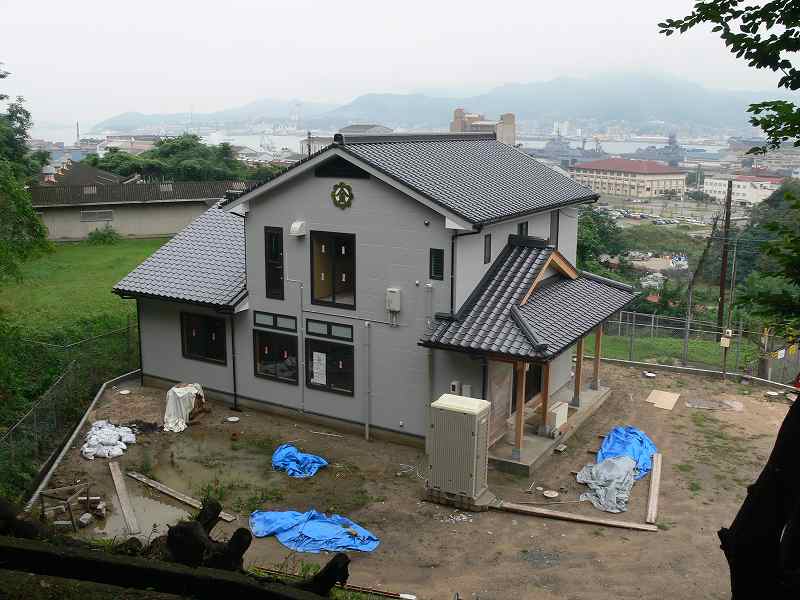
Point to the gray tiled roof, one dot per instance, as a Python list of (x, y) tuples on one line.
[(559, 312), (203, 264), (478, 178)]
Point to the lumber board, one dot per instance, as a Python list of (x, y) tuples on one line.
[(124, 499), (655, 487), (194, 503), (661, 399), (555, 514)]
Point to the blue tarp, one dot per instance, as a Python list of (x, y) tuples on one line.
[(629, 441), (296, 464), (312, 531)]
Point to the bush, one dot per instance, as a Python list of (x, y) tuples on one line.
[(103, 236)]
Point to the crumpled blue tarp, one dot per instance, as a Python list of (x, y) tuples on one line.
[(296, 464), (312, 531), (629, 441)]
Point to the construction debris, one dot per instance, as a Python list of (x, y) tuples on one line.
[(735, 405), (105, 440), (655, 487), (660, 399)]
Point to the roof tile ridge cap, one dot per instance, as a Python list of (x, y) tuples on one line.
[(527, 329), (607, 281), (483, 284)]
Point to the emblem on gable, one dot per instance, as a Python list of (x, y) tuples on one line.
[(342, 195)]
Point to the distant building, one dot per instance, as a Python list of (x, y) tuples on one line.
[(79, 173), (133, 144), (71, 212), (672, 153), (505, 128), (631, 178), (364, 129), (315, 143), (748, 190)]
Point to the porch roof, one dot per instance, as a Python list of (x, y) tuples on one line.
[(503, 316)]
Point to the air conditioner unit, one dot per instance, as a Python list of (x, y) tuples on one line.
[(458, 446)]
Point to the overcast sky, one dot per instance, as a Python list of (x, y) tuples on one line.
[(86, 60)]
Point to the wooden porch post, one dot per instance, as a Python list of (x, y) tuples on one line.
[(598, 340), (545, 397), (519, 417), (576, 396)]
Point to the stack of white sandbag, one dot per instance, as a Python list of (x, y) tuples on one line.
[(105, 440)]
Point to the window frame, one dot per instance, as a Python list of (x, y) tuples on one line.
[(331, 237), (223, 362), (522, 228), (273, 332), (273, 231), (329, 328), (310, 365), (555, 225), (487, 248), (274, 321), (440, 253)]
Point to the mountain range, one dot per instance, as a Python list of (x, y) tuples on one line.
[(632, 98)]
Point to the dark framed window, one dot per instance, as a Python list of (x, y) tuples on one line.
[(275, 356), (203, 338), (329, 366), (274, 321), (273, 262), (522, 229), (487, 248), (554, 222), (328, 329), (333, 269), (437, 264)]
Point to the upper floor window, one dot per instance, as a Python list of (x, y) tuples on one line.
[(203, 338), (554, 223), (273, 262), (487, 248), (522, 229), (436, 264), (333, 269)]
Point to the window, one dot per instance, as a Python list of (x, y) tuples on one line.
[(329, 366), (333, 269), (487, 248), (273, 262), (97, 215), (522, 229), (275, 355), (554, 218), (437, 264), (203, 338), (327, 329), (274, 321)]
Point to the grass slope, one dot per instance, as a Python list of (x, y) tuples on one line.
[(72, 285)]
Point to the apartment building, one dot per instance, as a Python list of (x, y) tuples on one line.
[(631, 178)]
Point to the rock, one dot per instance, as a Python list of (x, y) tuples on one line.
[(100, 510), (85, 520)]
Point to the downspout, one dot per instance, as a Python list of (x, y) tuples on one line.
[(233, 364), (453, 265), (139, 329), (301, 350), (367, 336)]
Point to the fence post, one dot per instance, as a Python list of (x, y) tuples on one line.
[(652, 325), (619, 324), (688, 325), (738, 346), (631, 332)]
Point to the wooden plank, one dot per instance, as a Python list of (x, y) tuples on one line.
[(519, 428), (228, 518), (124, 499), (554, 514), (598, 341), (544, 406), (661, 399), (576, 396), (655, 487)]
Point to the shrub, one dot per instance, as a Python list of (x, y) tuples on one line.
[(103, 236)]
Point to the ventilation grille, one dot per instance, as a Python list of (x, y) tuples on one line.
[(437, 264)]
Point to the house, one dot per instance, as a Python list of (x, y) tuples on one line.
[(365, 129), (747, 190), (80, 173), (631, 178), (505, 129), (71, 212), (373, 276)]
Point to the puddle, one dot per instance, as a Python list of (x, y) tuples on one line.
[(153, 517)]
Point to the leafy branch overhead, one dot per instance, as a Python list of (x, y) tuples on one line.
[(765, 36)]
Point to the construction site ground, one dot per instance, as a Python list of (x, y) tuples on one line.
[(433, 551)]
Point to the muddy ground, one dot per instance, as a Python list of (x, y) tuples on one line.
[(434, 551)]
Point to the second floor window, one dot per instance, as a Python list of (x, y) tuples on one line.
[(487, 248), (554, 224), (273, 257), (522, 229), (333, 269)]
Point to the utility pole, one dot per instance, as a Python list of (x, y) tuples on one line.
[(723, 268)]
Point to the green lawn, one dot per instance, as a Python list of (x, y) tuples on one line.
[(72, 285)]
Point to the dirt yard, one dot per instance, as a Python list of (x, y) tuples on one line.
[(433, 551)]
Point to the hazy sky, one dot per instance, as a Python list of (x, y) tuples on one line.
[(90, 60)]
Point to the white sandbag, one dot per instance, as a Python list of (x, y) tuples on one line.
[(180, 402), (114, 451), (101, 451), (127, 438), (108, 437), (88, 451)]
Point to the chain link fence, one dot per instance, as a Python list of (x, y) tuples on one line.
[(77, 371), (664, 340)]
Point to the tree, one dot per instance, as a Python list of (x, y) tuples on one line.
[(764, 36), (597, 234)]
